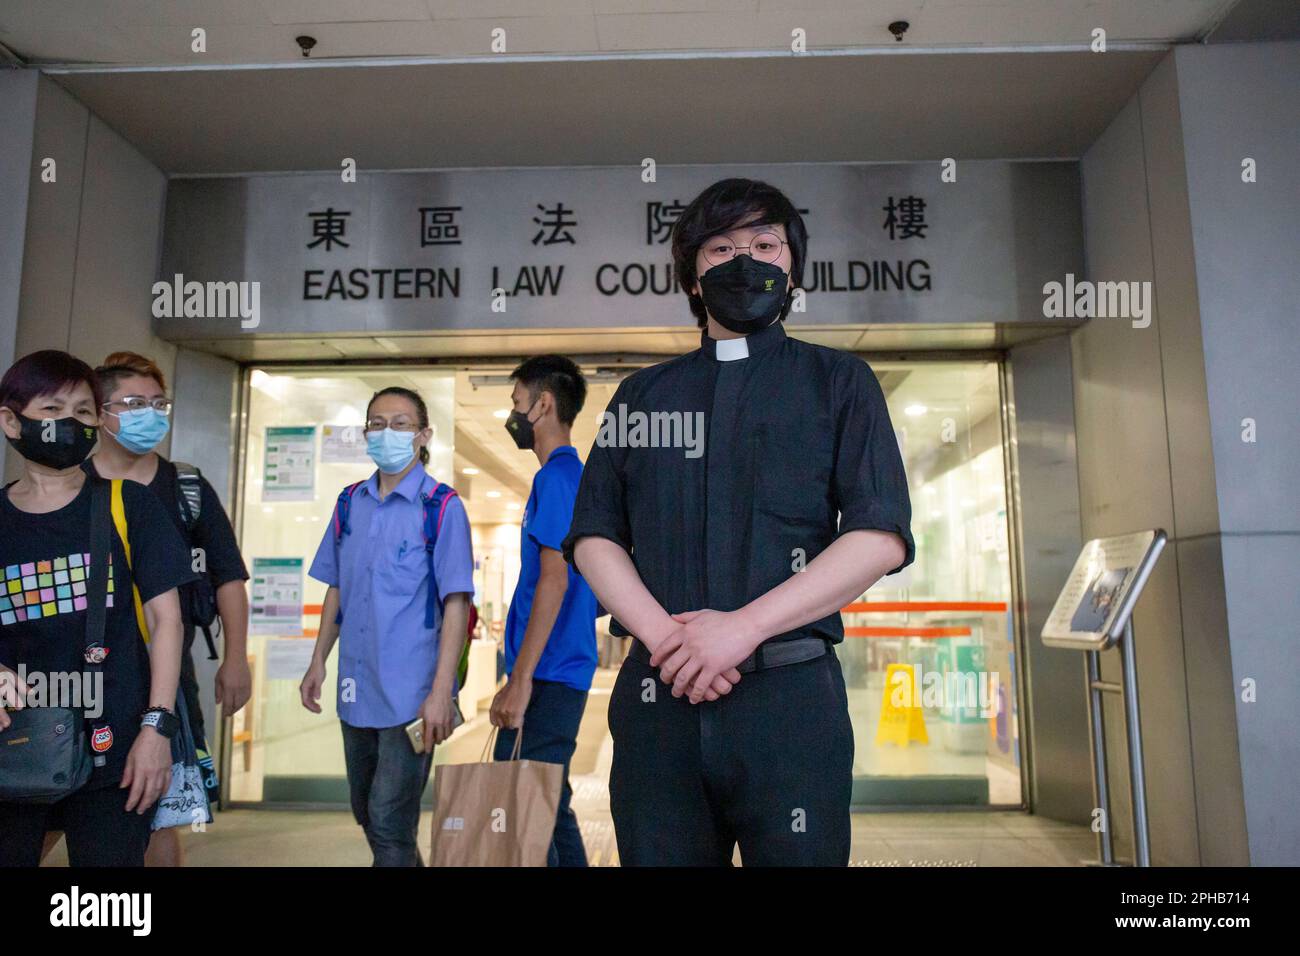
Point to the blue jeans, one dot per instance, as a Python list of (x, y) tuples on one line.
[(551, 736), (386, 778)]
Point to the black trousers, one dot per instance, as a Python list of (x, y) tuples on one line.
[(768, 766), (99, 830)]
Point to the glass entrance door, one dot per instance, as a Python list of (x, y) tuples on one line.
[(303, 445), (929, 653), (939, 630)]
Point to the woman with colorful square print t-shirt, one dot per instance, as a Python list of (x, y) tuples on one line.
[(49, 404)]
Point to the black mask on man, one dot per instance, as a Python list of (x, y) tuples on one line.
[(55, 443), (743, 294), (521, 429)]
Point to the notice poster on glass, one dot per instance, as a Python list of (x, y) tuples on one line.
[(289, 466), (343, 443), (277, 596), (287, 658)]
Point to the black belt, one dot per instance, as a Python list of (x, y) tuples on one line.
[(767, 655)]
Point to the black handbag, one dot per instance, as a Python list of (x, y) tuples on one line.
[(44, 754)]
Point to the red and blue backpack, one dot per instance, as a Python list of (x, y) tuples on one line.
[(434, 505)]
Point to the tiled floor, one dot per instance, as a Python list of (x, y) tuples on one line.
[(966, 838), (331, 838)]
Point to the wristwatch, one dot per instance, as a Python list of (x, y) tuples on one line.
[(162, 720)]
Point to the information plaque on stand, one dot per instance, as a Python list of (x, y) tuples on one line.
[(1093, 613), (1097, 600)]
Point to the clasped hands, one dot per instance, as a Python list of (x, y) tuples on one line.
[(699, 656)]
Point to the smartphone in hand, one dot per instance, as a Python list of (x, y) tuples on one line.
[(415, 729)]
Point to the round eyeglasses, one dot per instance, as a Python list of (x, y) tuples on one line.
[(765, 247)]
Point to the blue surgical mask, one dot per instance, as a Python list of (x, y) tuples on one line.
[(390, 450), (141, 430)]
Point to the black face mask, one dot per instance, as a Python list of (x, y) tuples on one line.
[(521, 429), (70, 441), (743, 294)]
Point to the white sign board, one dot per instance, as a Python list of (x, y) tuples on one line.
[(287, 658), (343, 444), (1094, 606)]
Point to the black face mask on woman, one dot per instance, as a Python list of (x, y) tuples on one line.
[(54, 442), (743, 294)]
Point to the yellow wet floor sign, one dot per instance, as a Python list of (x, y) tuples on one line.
[(901, 719)]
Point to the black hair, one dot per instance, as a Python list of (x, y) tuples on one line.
[(47, 372), (559, 376), (421, 410), (723, 206)]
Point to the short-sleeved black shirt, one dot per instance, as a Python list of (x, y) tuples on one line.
[(42, 604), (798, 448)]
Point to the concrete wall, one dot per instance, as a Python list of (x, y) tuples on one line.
[(93, 239), (1046, 488), (205, 432), (1159, 428), (1127, 381), (17, 120), (1238, 101)]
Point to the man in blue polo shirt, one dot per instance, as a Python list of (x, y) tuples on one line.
[(551, 628)]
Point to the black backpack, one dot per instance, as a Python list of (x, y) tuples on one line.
[(199, 597)]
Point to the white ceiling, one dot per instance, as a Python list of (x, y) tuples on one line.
[(617, 112), (263, 31), (413, 84)]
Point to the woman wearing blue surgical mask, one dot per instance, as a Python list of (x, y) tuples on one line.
[(399, 570), (135, 417)]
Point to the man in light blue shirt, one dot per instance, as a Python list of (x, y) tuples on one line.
[(551, 627), (395, 664)]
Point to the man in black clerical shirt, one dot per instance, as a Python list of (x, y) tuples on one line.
[(730, 563)]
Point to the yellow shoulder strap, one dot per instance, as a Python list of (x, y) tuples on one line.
[(119, 522)]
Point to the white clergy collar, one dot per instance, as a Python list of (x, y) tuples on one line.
[(728, 350)]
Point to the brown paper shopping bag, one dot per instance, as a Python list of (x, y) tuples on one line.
[(495, 813)]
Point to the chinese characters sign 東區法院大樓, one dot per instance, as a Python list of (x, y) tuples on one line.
[(558, 248)]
